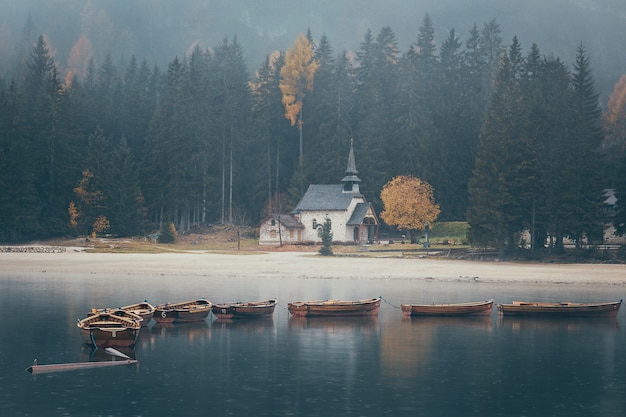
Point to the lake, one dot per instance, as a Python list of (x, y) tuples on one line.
[(386, 365)]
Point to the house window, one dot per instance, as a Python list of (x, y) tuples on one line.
[(314, 224), (273, 222), (291, 233)]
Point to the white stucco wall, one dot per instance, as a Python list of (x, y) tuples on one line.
[(269, 235), (338, 220)]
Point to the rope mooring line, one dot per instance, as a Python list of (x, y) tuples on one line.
[(388, 302)]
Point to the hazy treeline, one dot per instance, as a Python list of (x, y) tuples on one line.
[(205, 141)]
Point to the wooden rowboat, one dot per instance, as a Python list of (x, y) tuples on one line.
[(247, 310), (565, 309), (116, 328), (335, 308), (145, 310), (476, 308), (184, 312)]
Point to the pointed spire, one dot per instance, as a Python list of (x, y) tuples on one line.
[(351, 169), (351, 180)]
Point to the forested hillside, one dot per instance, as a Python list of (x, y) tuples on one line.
[(509, 139)]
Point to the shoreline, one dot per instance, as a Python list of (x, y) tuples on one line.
[(77, 263)]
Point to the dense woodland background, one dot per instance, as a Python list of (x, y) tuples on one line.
[(509, 138)]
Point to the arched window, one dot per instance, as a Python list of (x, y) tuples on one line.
[(273, 222)]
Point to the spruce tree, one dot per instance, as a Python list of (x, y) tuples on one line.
[(584, 165)]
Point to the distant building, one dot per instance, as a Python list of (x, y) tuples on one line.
[(353, 219)]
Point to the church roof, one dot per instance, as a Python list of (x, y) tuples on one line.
[(321, 197), (358, 214), (286, 220)]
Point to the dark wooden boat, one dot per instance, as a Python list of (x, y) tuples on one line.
[(116, 328), (475, 308), (183, 312), (334, 308), (145, 310), (564, 309), (244, 310)]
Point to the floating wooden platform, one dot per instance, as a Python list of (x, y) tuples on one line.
[(63, 367)]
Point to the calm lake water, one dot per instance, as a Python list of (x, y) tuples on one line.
[(384, 366)]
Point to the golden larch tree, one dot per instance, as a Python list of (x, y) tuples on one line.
[(615, 123), (409, 204), (296, 77)]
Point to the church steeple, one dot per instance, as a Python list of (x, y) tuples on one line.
[(351, 180)]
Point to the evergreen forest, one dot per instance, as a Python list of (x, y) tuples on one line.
[(510, 139)]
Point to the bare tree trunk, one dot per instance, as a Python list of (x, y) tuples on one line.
[(223, 175), (230, 191)]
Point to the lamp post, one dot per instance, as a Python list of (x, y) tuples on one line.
[(426, 241)]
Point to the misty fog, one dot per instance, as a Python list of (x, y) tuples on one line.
[(158, 30)]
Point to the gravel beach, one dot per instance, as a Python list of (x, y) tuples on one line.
[(78, 263)]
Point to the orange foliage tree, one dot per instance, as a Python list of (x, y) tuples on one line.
[(408, 203), (615, 123), (297, 76)]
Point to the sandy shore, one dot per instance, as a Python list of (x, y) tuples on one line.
[(78, 263)]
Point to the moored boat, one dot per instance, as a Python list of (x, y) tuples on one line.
[(243, 310), (183, 312), (116, 328), (563, 309), (331, 308), (475, 308), (145, 310)]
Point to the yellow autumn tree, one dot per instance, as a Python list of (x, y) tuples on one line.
[(409, 204), (296, 77), (615, 123)]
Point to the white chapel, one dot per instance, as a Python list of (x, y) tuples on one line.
[(352, 218)]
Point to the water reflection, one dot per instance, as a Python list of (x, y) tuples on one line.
[(90, 354), (332, 325), (350, 366), (182, 331), (410, 348), (257, 325), (558, 324)]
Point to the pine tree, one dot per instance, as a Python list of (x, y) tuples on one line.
[(376, 90), (233, 98), (18, 196), (453, 153), (491, 202), (124, 200), (584, 165)]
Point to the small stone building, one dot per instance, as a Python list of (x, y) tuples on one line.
[(352, 218)]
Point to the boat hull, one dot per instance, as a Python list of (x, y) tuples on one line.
[(185, 312), (538, 309), (103, 337), (250, 310), (117, 328), (335, 308), (479, 308)]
